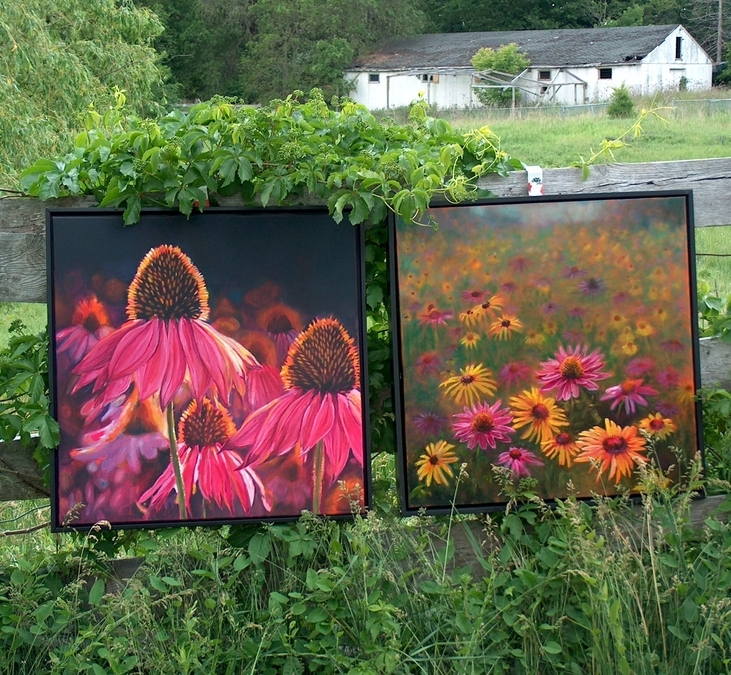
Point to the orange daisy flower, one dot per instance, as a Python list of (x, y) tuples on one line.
[(539, 413), (562, 446), (472, 384), (657, 426), (616, 449), (433, 465), (503, 328)]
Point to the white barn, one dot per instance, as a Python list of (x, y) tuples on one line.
[(568, 66)]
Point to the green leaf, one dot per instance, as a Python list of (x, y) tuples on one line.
[(552, 647), (96, 593), (260, 547)]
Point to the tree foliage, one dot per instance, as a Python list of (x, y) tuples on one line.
[(61, 56), (505, 59), (300, 44)]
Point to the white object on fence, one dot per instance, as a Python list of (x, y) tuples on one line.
[(535, 181)]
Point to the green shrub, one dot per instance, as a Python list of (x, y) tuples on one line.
[(621, 103)]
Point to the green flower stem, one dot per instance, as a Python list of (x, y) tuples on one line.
[(318, 469), (176, 463)]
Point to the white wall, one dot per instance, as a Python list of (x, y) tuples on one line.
[(395, 90)]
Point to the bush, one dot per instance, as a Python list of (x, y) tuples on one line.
[(621, 103), (505, 59)]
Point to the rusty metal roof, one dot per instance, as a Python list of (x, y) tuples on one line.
[(559, 47)]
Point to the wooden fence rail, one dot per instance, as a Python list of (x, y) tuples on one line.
[(23, 256)]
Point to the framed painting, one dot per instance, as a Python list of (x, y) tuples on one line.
[(550, 338), (209, 370)]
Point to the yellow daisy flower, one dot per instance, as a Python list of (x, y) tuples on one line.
[(472, 384), (433, 465), (539, 413)]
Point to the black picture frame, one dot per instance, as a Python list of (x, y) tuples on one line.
[(521, 258), (197, 320)]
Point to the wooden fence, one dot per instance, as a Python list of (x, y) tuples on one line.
[(23, 258)]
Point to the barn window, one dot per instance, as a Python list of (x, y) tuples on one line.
[(544, 74), (605, 73), (678, 47), (374, 78), (429, 78)]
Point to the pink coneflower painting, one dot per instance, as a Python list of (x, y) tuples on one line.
[(428, 362), (319, 412), (89, 324), (668, 378), (282, 324), (166, 340), (514, 373), (483, 425), (640, 366), (629, 393), (475, 295), (435, 317), (673, 346), (209, 465), (518, 460), (573, 272), (430, 423), (592, 286), (572, 370)]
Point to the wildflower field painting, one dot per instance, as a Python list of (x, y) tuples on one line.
[(551, 338), (208, 370)]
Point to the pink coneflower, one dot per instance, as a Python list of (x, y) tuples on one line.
[(430, 423), (667, 409), (89, 324), (573, 272), (319, 410), (668, 378), (573, 335), (576, 312), (672, 346), (592, 286), (640, 366), (518, 460), (483, 425), (166, 340), (282, 324), (129, 430), (549, 308), (435, 317), (473, 296), (514, 373), (208, 465), (519, 264), (570, 370), (428, 362), (631, 393), (509, 287)]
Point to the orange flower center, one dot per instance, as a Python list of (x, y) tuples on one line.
[(629, 386), (205, 425), (279, 323), (571, 368), (323, 358), (615, 445), (515, 453), (167, 286), (539, 412), (483, 422)]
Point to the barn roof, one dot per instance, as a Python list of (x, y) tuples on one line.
[(559, 47)]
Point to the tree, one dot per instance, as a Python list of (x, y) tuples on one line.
[(304, 43), (203, 42), (505, 59), (61, 56)]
